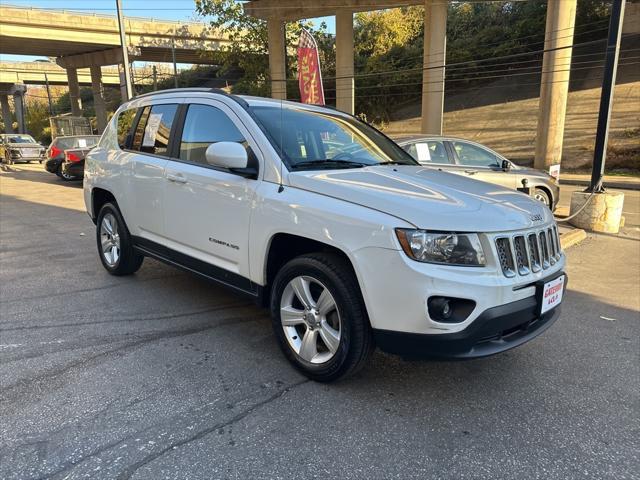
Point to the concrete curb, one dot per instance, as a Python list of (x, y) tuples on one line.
[(572, 238), (619, 184)]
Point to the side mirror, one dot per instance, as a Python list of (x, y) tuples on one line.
[(506, 165), (231, 155)]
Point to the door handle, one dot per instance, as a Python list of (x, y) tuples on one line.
[(176, 178), (470, 172)]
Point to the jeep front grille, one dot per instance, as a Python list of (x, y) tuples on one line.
[(522, 254)]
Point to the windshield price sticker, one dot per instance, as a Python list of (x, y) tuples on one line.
[(552, 294)]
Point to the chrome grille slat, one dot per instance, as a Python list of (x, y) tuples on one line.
[(505, 256), (534, 252), (522, 258), (544, 250), (551, 243), (556, 237)]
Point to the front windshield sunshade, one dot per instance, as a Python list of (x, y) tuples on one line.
[(311, 139)]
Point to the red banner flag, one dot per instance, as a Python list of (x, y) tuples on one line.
[(309, 76)]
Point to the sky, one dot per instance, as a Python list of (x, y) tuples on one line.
[(159, 9)]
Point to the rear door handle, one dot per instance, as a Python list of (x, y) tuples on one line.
[(470, 172), (176, 178)]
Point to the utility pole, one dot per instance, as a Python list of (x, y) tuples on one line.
[(606, 97), (125, 53), (173, 55), (155, 78), (46, 81)]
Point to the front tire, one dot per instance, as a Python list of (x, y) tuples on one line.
[(115, 247), (319, 317)]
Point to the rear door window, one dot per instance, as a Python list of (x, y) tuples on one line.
[(154, 129), (138, 135)]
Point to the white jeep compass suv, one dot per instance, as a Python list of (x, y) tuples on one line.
[(350, 242)]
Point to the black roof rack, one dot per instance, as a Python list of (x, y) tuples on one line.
[(219, 91)]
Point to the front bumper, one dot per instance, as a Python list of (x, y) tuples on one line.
[(496, 330), (75, 169), (17, 156)]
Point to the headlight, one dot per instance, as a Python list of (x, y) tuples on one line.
[(444, 248)]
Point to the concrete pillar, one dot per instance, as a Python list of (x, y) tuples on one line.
[(98, 99), (345, 95), (74, 92), (434, 54), (6, 113), (561, 16), (277, 58), (602, 212), (18, 104)]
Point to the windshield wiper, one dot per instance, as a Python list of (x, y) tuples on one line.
[(327, 162)]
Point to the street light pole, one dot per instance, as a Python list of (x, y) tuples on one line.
[(606, 97), (125, 53), (46, 81)]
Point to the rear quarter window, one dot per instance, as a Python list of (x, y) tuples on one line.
[(125, 120)]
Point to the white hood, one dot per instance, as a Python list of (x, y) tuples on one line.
[(428, 198)]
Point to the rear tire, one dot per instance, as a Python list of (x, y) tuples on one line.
[(326, 334), (115, 247), (542, 196), (65, 176)]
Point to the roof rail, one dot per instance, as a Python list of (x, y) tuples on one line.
[(219, 91)]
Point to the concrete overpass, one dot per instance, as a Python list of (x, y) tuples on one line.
[(38, 73), (52, 33), (87, 41)]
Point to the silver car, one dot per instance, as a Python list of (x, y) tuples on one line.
[(20, 147), (469, 158)]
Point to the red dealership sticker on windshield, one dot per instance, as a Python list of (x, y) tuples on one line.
[(552, 294)]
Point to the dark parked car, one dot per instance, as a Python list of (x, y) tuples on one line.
[(476, 161), (20, 148), (73, 165), (55, 152)]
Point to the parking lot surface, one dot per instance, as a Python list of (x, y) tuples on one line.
[(163, 375)]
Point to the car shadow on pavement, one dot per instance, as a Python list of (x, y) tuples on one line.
[(19, 172)]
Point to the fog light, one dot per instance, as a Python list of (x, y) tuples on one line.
[(450, 310)]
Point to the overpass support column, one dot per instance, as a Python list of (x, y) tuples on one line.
[(98, 99), (74, 92), (434, 60), (18, 103), (6, 113), (277, 58), (554, 88), (345, 95)]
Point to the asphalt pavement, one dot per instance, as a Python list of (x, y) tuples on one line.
[(162, 375)]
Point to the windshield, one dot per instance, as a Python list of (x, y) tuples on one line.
[(20, 139), (311, 139)]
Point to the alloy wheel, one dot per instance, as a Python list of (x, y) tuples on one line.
[(110, 240), (541, 197), (310, 319)]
